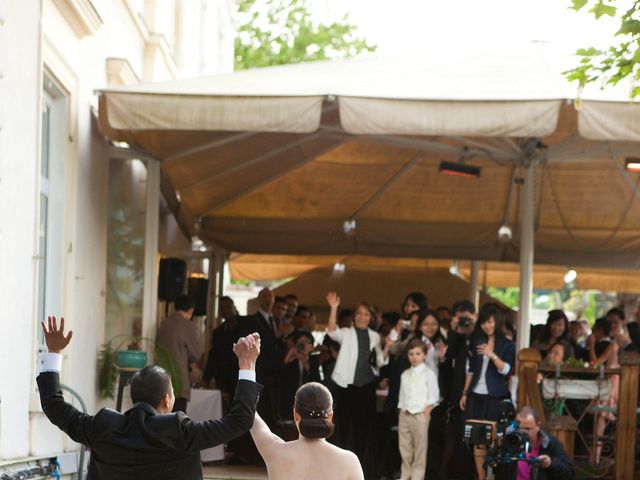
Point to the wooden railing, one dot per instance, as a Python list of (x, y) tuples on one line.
[(529, 394)]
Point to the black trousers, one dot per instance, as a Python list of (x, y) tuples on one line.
[(355, 413)]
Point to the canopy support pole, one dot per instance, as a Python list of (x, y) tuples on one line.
[(474, 280), (527, 244)]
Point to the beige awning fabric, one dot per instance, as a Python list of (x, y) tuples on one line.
[(492, 274), (275, 160), (383, 288)]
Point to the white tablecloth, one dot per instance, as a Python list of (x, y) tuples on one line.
[(206, 405)]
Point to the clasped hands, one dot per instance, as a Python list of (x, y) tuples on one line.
[(247, 349)]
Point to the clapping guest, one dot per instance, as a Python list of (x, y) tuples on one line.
[(556, 328), (414, 303), (360, 356), (492, 358), (292, 306), (428, 331)]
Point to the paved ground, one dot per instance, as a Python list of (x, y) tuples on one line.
[(227, 472)]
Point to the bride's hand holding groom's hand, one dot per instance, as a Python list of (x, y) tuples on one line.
[(247, 349)]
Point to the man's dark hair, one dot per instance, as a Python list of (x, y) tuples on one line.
[(464, 306), (603, 325), (392, 318), (302, 308), (279, 300), (183, 303), (618, 312), (292, 296), (446, 309), (150, 384)]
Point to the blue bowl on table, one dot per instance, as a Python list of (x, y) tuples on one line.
[(131, 358)]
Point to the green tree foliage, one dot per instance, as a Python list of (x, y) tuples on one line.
[(622, 59), (277, 32)]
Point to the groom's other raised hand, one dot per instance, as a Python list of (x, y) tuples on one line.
[(54, 337)]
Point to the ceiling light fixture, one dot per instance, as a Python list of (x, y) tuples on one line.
[(460, 168), (570, 276), (632, 165), (349, 227), (339, 267)]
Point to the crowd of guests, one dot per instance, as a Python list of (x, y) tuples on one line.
[(403, 382)]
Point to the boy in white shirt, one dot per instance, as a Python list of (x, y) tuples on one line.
[(419, 393)]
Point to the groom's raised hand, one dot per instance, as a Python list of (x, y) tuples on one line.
[(247, 350), (54, 337)]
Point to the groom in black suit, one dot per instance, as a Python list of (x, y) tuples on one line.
[(148, 441)]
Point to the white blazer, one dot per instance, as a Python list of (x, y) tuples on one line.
[(345, 368)]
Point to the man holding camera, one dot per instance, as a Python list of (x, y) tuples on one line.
[(445, 439), (547, 459)]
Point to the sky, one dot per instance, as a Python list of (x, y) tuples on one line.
[(410, 26)]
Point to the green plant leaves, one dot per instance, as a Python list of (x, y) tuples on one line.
[(283, 31), (107, 372)]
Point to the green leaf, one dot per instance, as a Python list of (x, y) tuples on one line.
[(635, 92), (600, 9), (578, 4), (587, 52), (630, 27)]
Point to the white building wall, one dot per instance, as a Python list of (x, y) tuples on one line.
[(50, 43), (19, 104)]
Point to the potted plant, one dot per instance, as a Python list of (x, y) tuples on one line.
[(133, 356)]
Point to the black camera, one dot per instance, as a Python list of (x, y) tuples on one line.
[(505, 441), (464, 322)]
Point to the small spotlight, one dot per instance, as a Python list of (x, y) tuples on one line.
[(349, 227), (339, 267), (632, 165), (197, 245), (570, 276), (120, 144), (458, 169), (505, 234)]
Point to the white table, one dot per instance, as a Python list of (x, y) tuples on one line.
[(206, 405)]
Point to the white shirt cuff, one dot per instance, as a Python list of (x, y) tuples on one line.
[(247, 375), (506, 369), (49, 362)]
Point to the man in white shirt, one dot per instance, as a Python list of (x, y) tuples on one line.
[(419, 393)]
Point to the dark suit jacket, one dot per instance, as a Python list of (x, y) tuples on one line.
[(291, 379), (453, 370), (496, 382), (271, 352), (222, 363), (141, 444)]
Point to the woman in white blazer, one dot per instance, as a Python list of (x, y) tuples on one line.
[(355, 374)]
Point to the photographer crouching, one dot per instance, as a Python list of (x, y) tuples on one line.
[(518, 449), (550, 460)]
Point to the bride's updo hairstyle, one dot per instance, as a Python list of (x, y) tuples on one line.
[(314, 404)]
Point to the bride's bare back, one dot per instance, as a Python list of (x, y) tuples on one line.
[(303, 459)]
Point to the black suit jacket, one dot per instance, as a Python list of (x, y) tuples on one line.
[(141, 444), (271, 356)]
